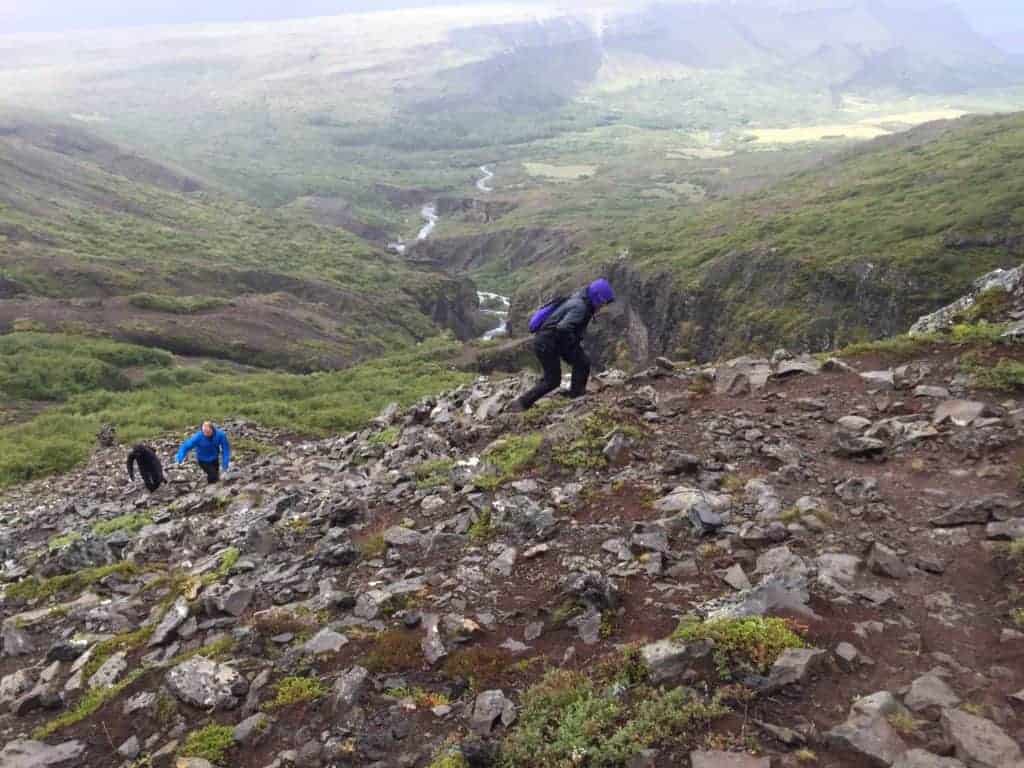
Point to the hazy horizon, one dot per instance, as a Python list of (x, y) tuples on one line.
[(1001, 21)]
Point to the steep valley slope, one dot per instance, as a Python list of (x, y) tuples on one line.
[(95, 238)]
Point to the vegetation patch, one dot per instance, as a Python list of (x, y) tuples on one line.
[(1004, 376), (569, 719), (451, 759), (586, 450), (373, 546), (480, 667), (394, 651), (39, 589), (507, 458), (87, 705), (63, 541), (386, 437), (280, 621), (177, 305), (212, 743), (482, 530), (295, 690), (228, 559), (314, 404), (434, 473), (127, 641), (421, 697), (749, 643), (132, 523)]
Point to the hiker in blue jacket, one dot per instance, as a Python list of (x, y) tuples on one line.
[(211, 445), (559, 336)]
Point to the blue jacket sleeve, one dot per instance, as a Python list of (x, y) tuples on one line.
[(225, 451), (187, 446)]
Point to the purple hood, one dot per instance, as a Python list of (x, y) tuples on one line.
[(600, 293)]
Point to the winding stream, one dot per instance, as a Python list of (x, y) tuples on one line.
[(482, 184)]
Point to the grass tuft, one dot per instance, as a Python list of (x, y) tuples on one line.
[(755, 642), (212, 743)]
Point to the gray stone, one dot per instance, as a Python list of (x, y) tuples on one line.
[(684, 499), (236, 601), (960, 413), (716, 759), (838, 571), (505, 562), (872, 738), (858, 489), (847, 656), (130, 748), (348, 687), (16, 642), (919, 758), (781, 562), (930, 692), (923, 390), (801, 365), (249, 731), (847, 445), (977, 511), (653, 540), (173, 619), (794, 665), (488, 709), (432, 645), (979, 743), (13, 686), (877, 380), (206, 684), (110, 671), (704, 519), (669, 659), (192, 762), (617, 450), (22, 753), (854, 425), (325, 641), (1009, 530), (883, 561), (398, 536), (736, 578)]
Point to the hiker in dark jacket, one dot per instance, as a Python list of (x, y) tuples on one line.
[(560, 338), (149, 466), (210, 444)]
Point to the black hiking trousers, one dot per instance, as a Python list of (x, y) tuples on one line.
[(212, 470), (551, 348)]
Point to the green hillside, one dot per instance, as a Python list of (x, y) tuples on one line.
[(856, 248), (95, 237)]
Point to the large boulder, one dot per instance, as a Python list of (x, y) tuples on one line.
[(22, 753), (206, 684), (979, 743)]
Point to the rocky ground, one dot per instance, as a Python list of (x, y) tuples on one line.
[(460, 586)]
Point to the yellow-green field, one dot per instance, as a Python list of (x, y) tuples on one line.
[(559, 172)]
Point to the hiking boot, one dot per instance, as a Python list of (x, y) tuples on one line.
[(516, 406)]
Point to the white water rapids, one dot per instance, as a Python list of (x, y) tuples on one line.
[(502, 313)]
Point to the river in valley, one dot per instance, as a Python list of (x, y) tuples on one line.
[(492, 304)]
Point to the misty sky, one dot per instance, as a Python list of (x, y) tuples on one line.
[(1000, 20)]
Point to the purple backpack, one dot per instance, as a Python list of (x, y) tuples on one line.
[(541, 315)]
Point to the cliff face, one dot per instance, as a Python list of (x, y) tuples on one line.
[(453, 304), (756, 302)]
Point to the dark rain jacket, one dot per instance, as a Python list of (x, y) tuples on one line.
[(569, 321)]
